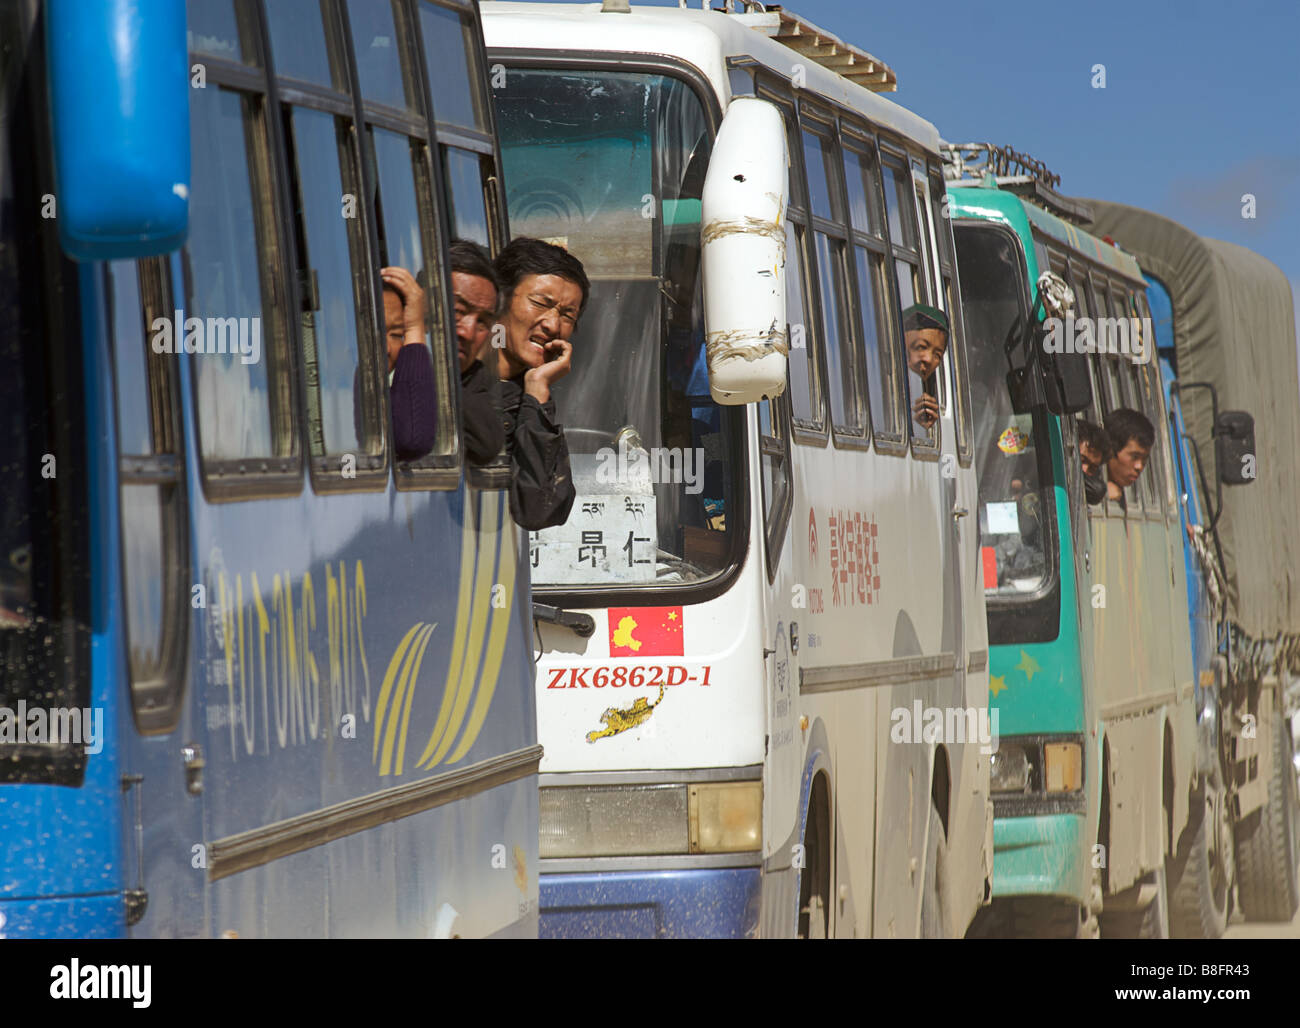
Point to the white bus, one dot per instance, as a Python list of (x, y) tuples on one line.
[(762, 655)]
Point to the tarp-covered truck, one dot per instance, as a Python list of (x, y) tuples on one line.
[(1233, 330)]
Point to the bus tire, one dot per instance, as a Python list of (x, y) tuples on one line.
[(934, 916), (1151, 922), (1201, 883), (1267, 845), (814, 878)]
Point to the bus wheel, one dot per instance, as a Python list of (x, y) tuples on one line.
[(934, 920), (814, 880), (1200, 887), (1267, 845), (1151, 922)]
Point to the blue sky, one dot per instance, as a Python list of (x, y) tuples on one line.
[(1201, 105)]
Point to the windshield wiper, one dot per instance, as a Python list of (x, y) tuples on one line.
[(583, 624)]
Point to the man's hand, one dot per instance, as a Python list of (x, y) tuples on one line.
[(926, 410), (538, 381), (414, 305)]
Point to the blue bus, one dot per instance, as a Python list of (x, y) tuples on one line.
[(257, 677)]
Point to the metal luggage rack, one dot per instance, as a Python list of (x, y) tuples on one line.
[(970, 164), (805, 38)]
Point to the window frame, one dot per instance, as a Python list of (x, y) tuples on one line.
[(821, 124), (860, 141), (815, 432), (946, 254), (230, 480), (895, 152), (157, 701)]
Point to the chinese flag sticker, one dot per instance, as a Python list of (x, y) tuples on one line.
[(645, 632)]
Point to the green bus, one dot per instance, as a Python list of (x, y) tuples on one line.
[(1089, 651)]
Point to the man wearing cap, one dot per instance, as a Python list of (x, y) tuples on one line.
[(925, 337)]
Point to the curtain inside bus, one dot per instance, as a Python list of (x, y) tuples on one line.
[(611, 165)]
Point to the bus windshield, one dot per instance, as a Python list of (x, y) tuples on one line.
[(1015, 510), (610, 164)]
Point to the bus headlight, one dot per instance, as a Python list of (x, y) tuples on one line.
[(726, 817), (1010, 769), (613, 820), (1064, 766)]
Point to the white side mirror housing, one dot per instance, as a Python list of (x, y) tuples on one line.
[(742, 240)]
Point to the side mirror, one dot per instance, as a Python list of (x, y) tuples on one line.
[(1067, 386), (742, 243), (119, 98), (1234, 447)]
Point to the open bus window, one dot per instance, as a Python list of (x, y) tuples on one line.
[(1015, 509), (610, 164)]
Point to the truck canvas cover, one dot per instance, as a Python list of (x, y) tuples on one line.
[(1234, 327)]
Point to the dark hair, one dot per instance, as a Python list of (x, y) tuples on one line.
[(1095, 436), (524, 256), (469, 258), (1125, 424)]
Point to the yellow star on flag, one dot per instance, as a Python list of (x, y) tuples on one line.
[(672, 615), (997, 684), (1028, 665)]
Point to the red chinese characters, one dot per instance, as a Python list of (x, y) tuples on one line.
[(855, 560)]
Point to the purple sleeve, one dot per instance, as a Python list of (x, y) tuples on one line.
[(414, 403)]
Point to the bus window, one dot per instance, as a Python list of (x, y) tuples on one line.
[(469, 218), (956, 356), (1015, 513), (899, 203), (639, 519), (243, 411), (155, 533), (398, 163), (450, 49), (828, 218), (383, 78), (213, 30), (329, 247), (805, 397), (774, 452), (298, 43), (804, 368), (871, 279), (1084, 305)]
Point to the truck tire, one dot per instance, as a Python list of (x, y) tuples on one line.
[(1201, 882), (1267, 845)]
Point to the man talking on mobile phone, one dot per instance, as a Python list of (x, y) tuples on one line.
[(545, 290)]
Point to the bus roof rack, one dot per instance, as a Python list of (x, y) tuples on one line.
[(805, 38), (971, 164)]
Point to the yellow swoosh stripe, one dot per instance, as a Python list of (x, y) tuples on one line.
[(482, 604), (410, 695), (387, 688), (390, 729), (501, 617), (467, 538)]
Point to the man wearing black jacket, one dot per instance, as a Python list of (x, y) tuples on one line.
[(475, 290), (545, 290)]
